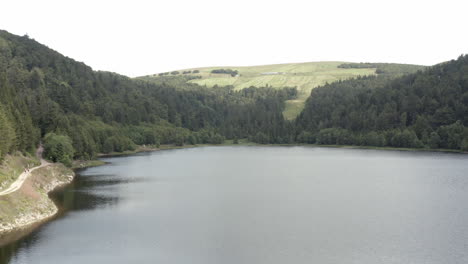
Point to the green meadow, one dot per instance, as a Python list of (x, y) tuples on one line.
[(304, 76)]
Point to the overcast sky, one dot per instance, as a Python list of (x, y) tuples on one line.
[(144, 37)]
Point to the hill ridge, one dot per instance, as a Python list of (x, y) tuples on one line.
[(303, 75)]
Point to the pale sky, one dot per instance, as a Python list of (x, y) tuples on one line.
[(139, 37)]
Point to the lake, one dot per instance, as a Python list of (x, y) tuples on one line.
[(259, 205)]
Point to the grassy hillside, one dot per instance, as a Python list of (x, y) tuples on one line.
[(304, 76)]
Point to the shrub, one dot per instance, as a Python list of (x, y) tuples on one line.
[(58, 148)]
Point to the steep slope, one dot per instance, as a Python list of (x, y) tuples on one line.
[(425, 109), (86, 112), (303, 76)]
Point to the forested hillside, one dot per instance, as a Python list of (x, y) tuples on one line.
[(425, 109), (77, 112), (45, 95)]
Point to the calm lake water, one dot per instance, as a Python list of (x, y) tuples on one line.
[(233, 205)]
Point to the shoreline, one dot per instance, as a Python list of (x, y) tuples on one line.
[(252, 144), (26, 222), (31, 206), (148, 148), (454, 151), (44, 210)]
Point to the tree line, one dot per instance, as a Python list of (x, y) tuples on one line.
[(390, 69), (49, 97), (427, 109), (225, 71), (78, 112)]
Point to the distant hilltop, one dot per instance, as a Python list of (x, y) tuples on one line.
[(303, 76)]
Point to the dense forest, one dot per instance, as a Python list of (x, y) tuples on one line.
[(427, 109), (45, 95), (77, 112)]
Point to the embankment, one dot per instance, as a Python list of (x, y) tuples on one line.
[(30, 203)]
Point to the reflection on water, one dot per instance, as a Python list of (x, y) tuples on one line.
[(265, 205), (82, 194), (79, 195)]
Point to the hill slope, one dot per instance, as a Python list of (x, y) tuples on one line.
[(425, 109), (303, 76), (78, 112), (47, 96)]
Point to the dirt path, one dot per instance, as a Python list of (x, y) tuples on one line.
[(23, 176)]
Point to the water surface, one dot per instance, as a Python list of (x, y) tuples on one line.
[(268, 205)]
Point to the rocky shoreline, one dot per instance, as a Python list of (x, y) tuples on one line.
[(31, 203)]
